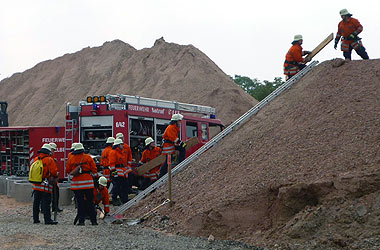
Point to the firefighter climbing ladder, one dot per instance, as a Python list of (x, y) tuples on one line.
[(213, 141)]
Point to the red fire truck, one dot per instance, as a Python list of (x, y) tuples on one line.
[(19, 146), (99, 117)]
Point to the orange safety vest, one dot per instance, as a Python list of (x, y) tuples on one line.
[(101, 195), (292, 58), (147, 156), (128, 155), (171, 139), (50, 170), (117, 161), (345, 29), (84, 180), (104, 161)]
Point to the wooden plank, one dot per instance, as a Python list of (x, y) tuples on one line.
[(321, 46), (161, 159), (191, 142), (151, 164)]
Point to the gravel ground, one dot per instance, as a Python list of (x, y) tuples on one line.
[(18, 232)]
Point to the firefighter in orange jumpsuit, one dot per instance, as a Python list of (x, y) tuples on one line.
[(171, 142), (118, 162), (104, 161), (101, 195), (55, 198), (349, 28), (42, 191), (82, 184), (131, 177), (149, 154), (294, 62)]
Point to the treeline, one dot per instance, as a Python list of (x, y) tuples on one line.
[(259, 90)]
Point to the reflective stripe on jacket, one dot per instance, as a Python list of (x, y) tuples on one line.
[(84, 180), (50, 170), (294, 55), (171, 134), (345, 29), (117, 161)]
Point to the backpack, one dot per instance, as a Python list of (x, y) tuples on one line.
[(36, 171)]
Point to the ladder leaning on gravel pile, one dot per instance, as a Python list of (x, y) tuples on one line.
[(212, 142)]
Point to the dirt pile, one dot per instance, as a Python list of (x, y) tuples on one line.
[(166, 71), (304, 170)]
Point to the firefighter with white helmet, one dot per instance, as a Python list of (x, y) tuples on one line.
[(55, 198), (171, 142), (101, 195), (104, 160), (151, 152), (131, 177), (294, 60), (117, 164), (348, 30)]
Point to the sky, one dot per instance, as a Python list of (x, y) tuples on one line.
[(243, 37)]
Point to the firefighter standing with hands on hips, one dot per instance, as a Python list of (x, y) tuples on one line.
[(42, 191), (294, 62), (81, 166), (171, 142), (349, 28), (149, 154)]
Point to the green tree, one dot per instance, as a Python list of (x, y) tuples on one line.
[(256, 88)]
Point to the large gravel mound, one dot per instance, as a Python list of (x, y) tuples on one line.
[(166, 71)]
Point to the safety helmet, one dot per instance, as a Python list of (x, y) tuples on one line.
[(53, 145), (119, 135), (344, 12), (102, 181), (46, 146), (298, 38), (78, 146), (110, 140), (148, 141), (177, 117), (117, 142), (73, 145)]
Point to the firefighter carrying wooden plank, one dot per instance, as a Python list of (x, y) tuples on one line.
[(294, 62)]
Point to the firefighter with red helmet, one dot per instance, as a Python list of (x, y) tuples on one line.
[(349, 29), (83, 167), (171, 142), (118, 162), (42, 191), (149, 154), (294, 60), (104, 161)]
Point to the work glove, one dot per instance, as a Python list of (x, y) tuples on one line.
[(307, 52), (182, 144), (336, 43), (114, 173)]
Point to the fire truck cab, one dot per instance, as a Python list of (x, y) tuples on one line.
[(99, 117)]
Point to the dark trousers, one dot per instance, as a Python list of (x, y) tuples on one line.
[(55, 198), (120, 188), (45, 199), (181, 157), (85, 206), (360, 51)]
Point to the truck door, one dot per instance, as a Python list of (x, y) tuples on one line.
[(94, 131), (140, 128), (160, 126)]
